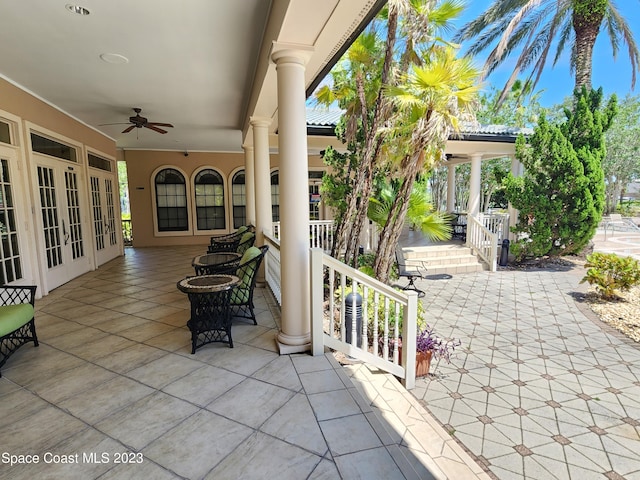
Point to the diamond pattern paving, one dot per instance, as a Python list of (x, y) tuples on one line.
[(542, 389)]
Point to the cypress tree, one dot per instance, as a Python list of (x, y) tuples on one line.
[(560, 198)]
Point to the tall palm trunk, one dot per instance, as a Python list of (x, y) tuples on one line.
[(587, 18), (355, 215), (390, 234)]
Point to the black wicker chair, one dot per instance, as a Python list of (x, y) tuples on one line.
[(230, 237), (241, 300), (17, 321), (239, 245)]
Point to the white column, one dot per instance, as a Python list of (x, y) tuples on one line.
[(516, 171), (474, 188), (250, 184), (262, 178), (451, 188), (295, 334)]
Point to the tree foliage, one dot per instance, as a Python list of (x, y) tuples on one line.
[(531, 29), (560, 198), (621, 164), (401, 88)]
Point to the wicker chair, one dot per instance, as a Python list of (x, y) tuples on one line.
[(17, 324), (242, 296), (230, 237), (239, 244)]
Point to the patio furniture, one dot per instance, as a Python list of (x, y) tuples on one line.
[(238, 245), (17, 323), (242, 296), (210, 320), (411, 269), (212, 263), (230, 237), (459, 226)]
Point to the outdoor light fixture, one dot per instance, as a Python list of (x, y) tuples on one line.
[(77, 9)]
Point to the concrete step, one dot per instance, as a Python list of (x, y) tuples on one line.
[(444, 259), (435, 251), (455, 269)]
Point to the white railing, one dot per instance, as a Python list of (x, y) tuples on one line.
[(497, 223), (320, 233), (483, 242), (371, 331), (272, 266)]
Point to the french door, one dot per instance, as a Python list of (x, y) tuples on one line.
[(61, 213), (12, 262), (103, 218)]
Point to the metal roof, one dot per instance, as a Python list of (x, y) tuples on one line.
[(323, 121)]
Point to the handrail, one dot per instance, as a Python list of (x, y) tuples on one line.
[(334, 322), (483, 242)]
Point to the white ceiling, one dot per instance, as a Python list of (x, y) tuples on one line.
[(201, 65)]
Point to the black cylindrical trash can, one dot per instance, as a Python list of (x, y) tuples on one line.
[(504, 253), (349, 314)]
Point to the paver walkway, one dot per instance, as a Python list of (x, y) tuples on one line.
[(538, 390)]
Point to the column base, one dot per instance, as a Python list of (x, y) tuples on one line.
[(288, 344)]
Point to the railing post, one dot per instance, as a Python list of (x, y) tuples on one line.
[(409, 333), (317, 300)]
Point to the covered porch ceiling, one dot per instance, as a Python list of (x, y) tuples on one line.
[(202, 66)]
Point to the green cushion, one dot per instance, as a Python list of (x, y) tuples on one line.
[(245, 242), (242, 229), (241, 292), (12, 317)]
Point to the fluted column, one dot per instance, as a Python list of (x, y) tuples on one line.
[(474, 188), (250, 184), (295, 333), (451, 188)]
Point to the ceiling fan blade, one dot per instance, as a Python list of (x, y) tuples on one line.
[(128, 129), (157, 124), (155, 129)]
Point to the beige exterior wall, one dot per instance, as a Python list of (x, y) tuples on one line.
[(142, 166)]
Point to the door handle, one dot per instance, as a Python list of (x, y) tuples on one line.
[(107, 228), (65, 233)]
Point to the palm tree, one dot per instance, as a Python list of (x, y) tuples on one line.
[(536, 25), (435, 225), (430, 102)]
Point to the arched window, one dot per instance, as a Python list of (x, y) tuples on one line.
[(209, 189), (171, 201), (275, 196), (239, 199)]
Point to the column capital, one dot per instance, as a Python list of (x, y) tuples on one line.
[(260, 121), (291, 52)]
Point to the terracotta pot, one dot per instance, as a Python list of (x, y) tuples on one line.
[(423, 362)]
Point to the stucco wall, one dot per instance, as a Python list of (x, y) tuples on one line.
[(141, 168)]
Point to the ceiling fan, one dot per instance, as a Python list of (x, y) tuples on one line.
[(138, 121)]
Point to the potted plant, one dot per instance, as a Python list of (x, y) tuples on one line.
[(430, 346)]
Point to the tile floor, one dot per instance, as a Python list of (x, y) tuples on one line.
[(540, 388), (114, 393)]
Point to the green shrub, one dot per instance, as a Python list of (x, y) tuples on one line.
[(609, 272)]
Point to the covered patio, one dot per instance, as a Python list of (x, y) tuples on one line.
[(114, 375)]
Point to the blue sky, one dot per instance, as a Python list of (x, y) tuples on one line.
[(557, 82)]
